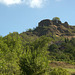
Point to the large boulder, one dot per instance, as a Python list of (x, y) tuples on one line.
[(45, 22)]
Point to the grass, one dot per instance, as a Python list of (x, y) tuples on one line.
[(67, 66), (71, 70)]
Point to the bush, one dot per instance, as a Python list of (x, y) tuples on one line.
[(59, 71), (56, 18), (34, 63)]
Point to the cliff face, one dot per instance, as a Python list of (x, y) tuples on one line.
[(49, 28)]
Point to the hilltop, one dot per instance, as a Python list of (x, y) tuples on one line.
[(53, 28)]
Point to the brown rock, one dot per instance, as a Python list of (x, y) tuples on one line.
[(45, 22), (56, 22)]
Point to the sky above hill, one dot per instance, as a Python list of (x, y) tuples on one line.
[(20, 15)]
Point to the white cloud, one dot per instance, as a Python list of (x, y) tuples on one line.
[(31, 3), (36, 3), (10, 2)]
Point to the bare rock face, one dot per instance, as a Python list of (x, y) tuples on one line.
[(46, 22)]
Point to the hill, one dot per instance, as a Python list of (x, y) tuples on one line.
[(39, 51), (53, 28)]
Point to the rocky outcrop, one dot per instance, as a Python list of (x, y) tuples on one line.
[(53, 27), (56, 22), (46, 22)]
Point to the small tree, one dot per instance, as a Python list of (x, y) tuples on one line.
[(34, 63), (35, 58), (56, 18)]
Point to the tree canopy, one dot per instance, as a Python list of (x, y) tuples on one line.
[(21, 56), (56, 18)]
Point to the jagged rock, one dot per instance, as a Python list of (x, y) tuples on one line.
[(46, 22), (53, 27), (56, 22)]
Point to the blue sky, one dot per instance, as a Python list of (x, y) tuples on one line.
[(20, 15)]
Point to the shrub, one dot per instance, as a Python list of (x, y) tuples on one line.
[(34, 63), (59, 71), (56, 18)]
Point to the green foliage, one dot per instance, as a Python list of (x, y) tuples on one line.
[(73, 41), (53, 48), (56, 18), (29, 30), (35, 59), (33, 63), (28, 54), (41, 42), (59, 71), (66, 40), (65, 49), (10, 49)]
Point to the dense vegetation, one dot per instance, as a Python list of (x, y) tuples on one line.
[(66, 50), (32, 58), (29, 54)]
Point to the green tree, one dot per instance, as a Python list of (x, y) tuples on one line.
[(53, 48), (34, 63), (35, 58), (10, 51), (56, 18)]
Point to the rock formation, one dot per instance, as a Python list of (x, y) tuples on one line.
[(53, 27)]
